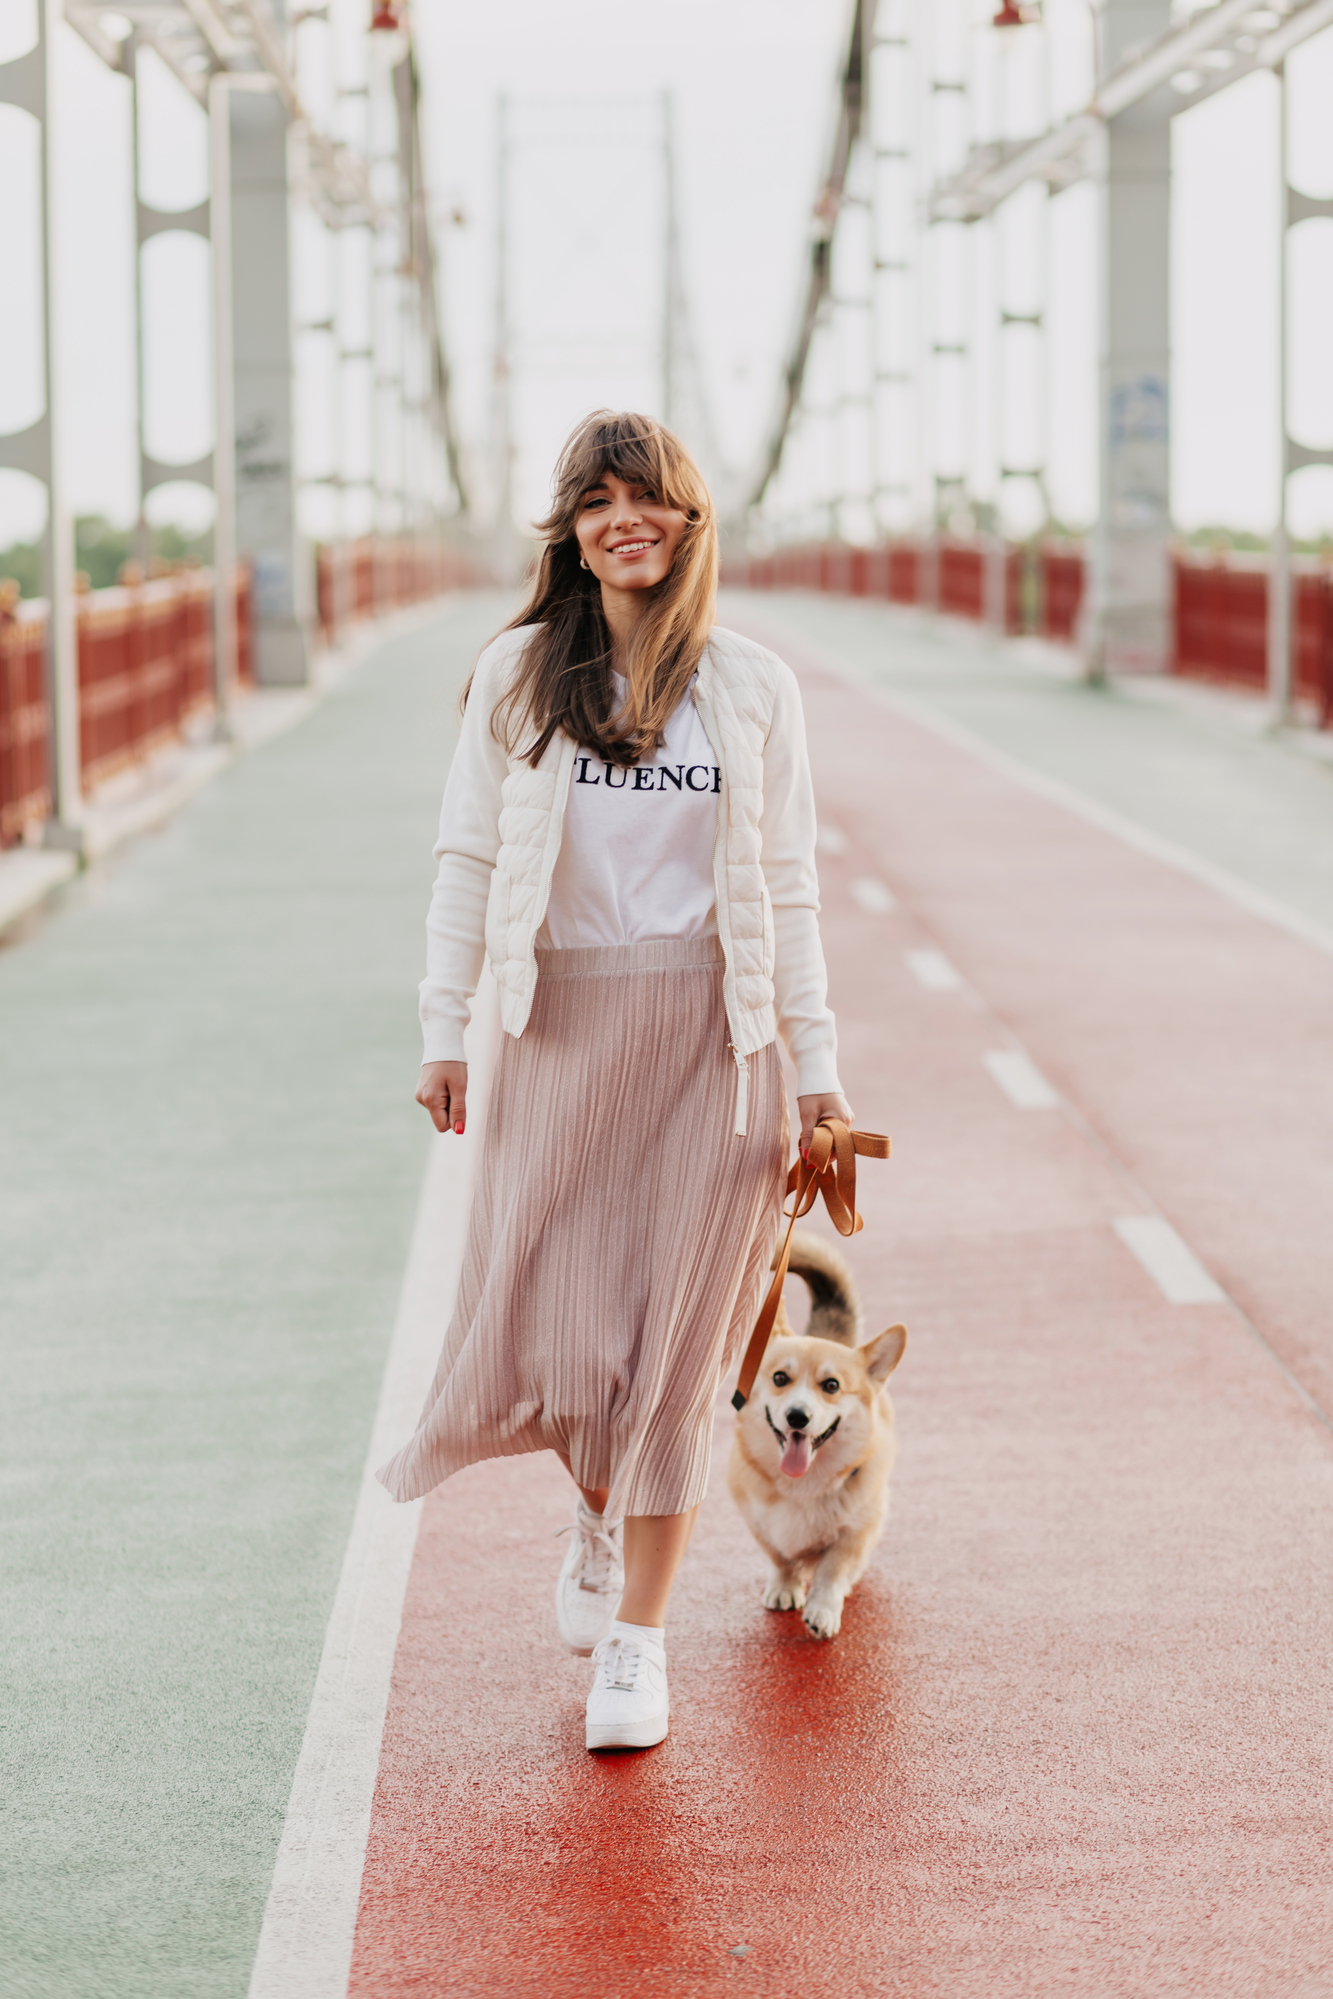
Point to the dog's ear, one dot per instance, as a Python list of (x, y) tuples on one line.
[(882, 1355)]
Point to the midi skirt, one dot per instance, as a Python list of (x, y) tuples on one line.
[(620, 1233)]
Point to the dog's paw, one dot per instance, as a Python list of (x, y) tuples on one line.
[(823, 1619), (784, 1596)]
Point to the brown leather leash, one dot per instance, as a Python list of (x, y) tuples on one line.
[(831, 1171)]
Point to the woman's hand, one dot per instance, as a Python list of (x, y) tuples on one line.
[(443, 1091), (812, 1109)]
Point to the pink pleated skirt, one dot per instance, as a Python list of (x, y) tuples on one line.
[(620, 1233)]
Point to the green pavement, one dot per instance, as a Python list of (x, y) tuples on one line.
[(1198, 772), (209, 1167)]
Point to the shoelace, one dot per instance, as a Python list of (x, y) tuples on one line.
[(617, 1662), (601, 1557)]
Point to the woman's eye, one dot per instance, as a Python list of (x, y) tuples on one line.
[(780, 1379), (830, 1387)]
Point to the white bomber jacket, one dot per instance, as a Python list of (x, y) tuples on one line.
[(500, 830)]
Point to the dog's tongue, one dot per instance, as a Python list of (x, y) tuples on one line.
[(796, 1457)]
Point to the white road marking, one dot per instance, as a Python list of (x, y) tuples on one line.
[(830, 839), (875, 897), (305, 1943), (1171, 1263), (1256, 901), (1021, 1080), (932, 970)]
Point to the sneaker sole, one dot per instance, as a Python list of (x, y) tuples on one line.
[(608, 1735)]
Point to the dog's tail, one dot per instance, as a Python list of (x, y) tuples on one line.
[(835, 1308)]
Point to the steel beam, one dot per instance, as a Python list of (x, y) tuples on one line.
[(261, 333), (1128, 624), (27, 83), (1213, 50)]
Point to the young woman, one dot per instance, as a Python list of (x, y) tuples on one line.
[(628, 830)]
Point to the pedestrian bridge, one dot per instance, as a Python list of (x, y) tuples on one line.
[(273, 1735)]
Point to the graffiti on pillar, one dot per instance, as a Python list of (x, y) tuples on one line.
[(272, 583), (263, 512), (251, 464), (1138, 461)]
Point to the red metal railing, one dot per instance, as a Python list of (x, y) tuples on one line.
[(1220, 603), (25, 720), (962, 580), (904, 582), (1063, 574), (363, 579), (145, 666), (145, 653), (1221, 623), (1043, 588)]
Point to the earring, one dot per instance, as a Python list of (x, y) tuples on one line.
[(583, 562)]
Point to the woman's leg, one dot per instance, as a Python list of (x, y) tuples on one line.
[(588, 1587), (655, 1544), (594, 1496)]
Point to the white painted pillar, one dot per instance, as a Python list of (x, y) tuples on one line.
[(224, 404), (1129, 615), (266, 530), (28, 82)]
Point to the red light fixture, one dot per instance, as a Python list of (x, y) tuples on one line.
[(388, 32)]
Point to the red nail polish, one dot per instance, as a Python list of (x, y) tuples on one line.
[(459, 1129)]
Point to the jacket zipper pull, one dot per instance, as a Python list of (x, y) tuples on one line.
[(742, 1089)]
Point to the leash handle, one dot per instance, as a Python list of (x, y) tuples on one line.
[(831, 1171)]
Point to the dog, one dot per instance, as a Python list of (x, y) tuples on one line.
[(814, 1445)]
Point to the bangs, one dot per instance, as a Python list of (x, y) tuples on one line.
[(635, 449)]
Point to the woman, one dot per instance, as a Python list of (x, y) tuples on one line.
[(628, 830)]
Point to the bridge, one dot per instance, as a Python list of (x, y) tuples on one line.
[(269, 1735)]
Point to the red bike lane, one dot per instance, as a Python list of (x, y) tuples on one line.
[(1073, 1735)]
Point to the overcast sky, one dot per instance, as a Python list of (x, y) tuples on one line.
[(752, 89)]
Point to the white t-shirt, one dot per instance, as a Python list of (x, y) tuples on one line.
[(636, 857)]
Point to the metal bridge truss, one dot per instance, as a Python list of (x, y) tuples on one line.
[(236, 58), (882, 382)]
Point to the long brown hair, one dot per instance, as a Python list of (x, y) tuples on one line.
[(564, 680)]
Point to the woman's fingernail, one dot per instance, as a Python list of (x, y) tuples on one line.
[(459, 1127)]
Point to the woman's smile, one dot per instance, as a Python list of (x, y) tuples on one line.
[(627, 536)]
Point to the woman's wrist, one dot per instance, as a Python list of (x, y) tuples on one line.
[(822, 1104)]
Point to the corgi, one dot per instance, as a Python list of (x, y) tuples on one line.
[(814, 1445)]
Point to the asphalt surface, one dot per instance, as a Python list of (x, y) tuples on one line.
[(1073, 1736)]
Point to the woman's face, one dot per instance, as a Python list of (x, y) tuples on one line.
[(627, 536)]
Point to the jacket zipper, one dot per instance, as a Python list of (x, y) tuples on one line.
[(742, 1089)]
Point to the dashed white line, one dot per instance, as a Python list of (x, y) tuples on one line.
[(1021, 1080), (1171, 1263), (932, 970), (875, 897)]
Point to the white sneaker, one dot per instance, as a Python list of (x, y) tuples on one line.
[(628, 1706), (591, 1580)]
